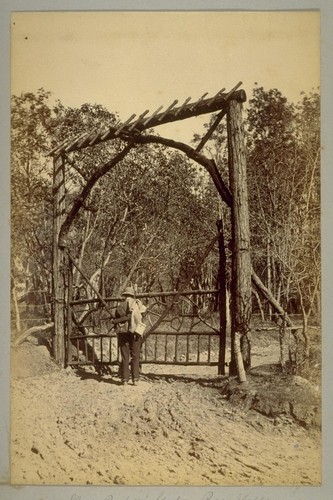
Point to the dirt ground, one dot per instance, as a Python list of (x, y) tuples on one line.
[(179, 426)]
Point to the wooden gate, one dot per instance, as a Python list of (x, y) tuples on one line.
[(188, 331)]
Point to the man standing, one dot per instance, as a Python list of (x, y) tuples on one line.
[(129, 335)]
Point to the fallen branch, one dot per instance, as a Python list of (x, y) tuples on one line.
[(256, 281), (31, 331)]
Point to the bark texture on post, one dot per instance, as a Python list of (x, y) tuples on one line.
[(222, 299), (241, 260), (239, 358), (68, 346), (58, 262)]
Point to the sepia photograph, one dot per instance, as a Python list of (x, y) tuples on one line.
[(165, 248)]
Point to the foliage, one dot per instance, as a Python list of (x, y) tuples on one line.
[(148, 215), (31, 209), (145, 221), (283, 172)]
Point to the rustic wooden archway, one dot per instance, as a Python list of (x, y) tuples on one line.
[(228, 104)]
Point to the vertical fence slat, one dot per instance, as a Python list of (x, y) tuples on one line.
[(155, 356), (187, 348), (101, 339), (209, 348), (198, 352), (176, 349), (166, 348)]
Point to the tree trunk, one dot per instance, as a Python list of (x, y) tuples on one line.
[(305, 333), (16, 308), (241, 261), (138, 260), (261, 309), (269, 274), (318, 306), (282, 340), (87, 232)]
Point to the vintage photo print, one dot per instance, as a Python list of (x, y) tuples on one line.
[(165, 251)]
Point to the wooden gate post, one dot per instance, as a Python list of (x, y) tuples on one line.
[(241, 261), (58, 262), (222, 299)]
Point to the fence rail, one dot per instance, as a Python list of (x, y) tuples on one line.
[(145, 296), (185, 348)]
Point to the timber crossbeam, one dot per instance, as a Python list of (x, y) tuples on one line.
[(134, 126)]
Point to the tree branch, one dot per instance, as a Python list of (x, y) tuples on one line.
[(102, 170), (191, 153)]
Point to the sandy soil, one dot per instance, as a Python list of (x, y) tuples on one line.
[(172, 429)]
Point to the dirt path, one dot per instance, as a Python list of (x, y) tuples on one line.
[(174, 430)]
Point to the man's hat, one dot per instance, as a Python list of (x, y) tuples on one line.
[(128, 292)]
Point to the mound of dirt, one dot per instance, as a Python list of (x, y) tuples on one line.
[(31, 359), (274, 394)]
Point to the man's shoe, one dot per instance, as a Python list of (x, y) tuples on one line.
[(135, 382), (124, 382)]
